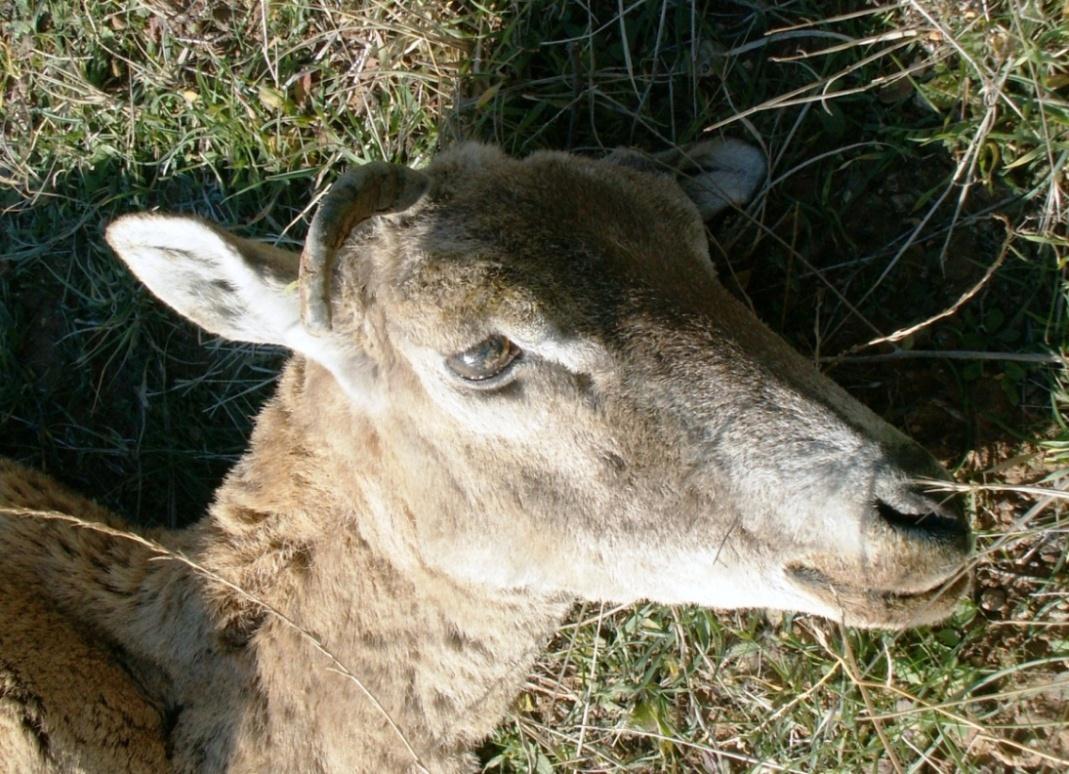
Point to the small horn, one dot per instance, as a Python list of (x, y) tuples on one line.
[(360, 193)]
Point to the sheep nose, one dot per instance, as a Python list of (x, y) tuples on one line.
[(908, 508), (918, 515)]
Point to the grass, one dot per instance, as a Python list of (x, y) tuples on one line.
[(911, 146)]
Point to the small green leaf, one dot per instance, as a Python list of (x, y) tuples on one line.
[(543, 765), (949, 637), (271, 98)]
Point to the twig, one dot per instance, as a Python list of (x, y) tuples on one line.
[(934, 485), (850, 43), (950, 354), (795, 96), (589, 685), (777, 37), (705, 748), (831, 19), (904, 332)]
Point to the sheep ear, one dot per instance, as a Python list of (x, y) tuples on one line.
[(246, 291), (236, 288), (229, 286), (714, 174), (718, 174)]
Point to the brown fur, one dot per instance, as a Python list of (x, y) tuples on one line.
[(655, 441)]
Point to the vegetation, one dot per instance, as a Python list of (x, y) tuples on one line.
[(918, 166)]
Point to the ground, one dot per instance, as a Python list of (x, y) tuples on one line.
[(913, 147)]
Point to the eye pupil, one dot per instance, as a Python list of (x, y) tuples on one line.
[(485, 360)]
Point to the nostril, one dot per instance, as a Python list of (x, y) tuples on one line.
[(934, 522)]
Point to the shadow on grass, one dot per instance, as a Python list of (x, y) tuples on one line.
[(104, 387)]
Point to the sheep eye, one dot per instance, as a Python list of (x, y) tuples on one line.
[(487, 359)]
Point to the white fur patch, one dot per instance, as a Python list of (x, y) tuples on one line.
[(202, 274), (205, 275)]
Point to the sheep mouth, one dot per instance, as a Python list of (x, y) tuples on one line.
[(884, 608)]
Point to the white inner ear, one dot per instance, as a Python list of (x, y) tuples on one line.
[(232, 287), (209, 276), (721, 173)]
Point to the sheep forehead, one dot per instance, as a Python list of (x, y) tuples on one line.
[(553, 239)]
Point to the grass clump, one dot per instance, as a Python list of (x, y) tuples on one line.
[(913, 146)]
